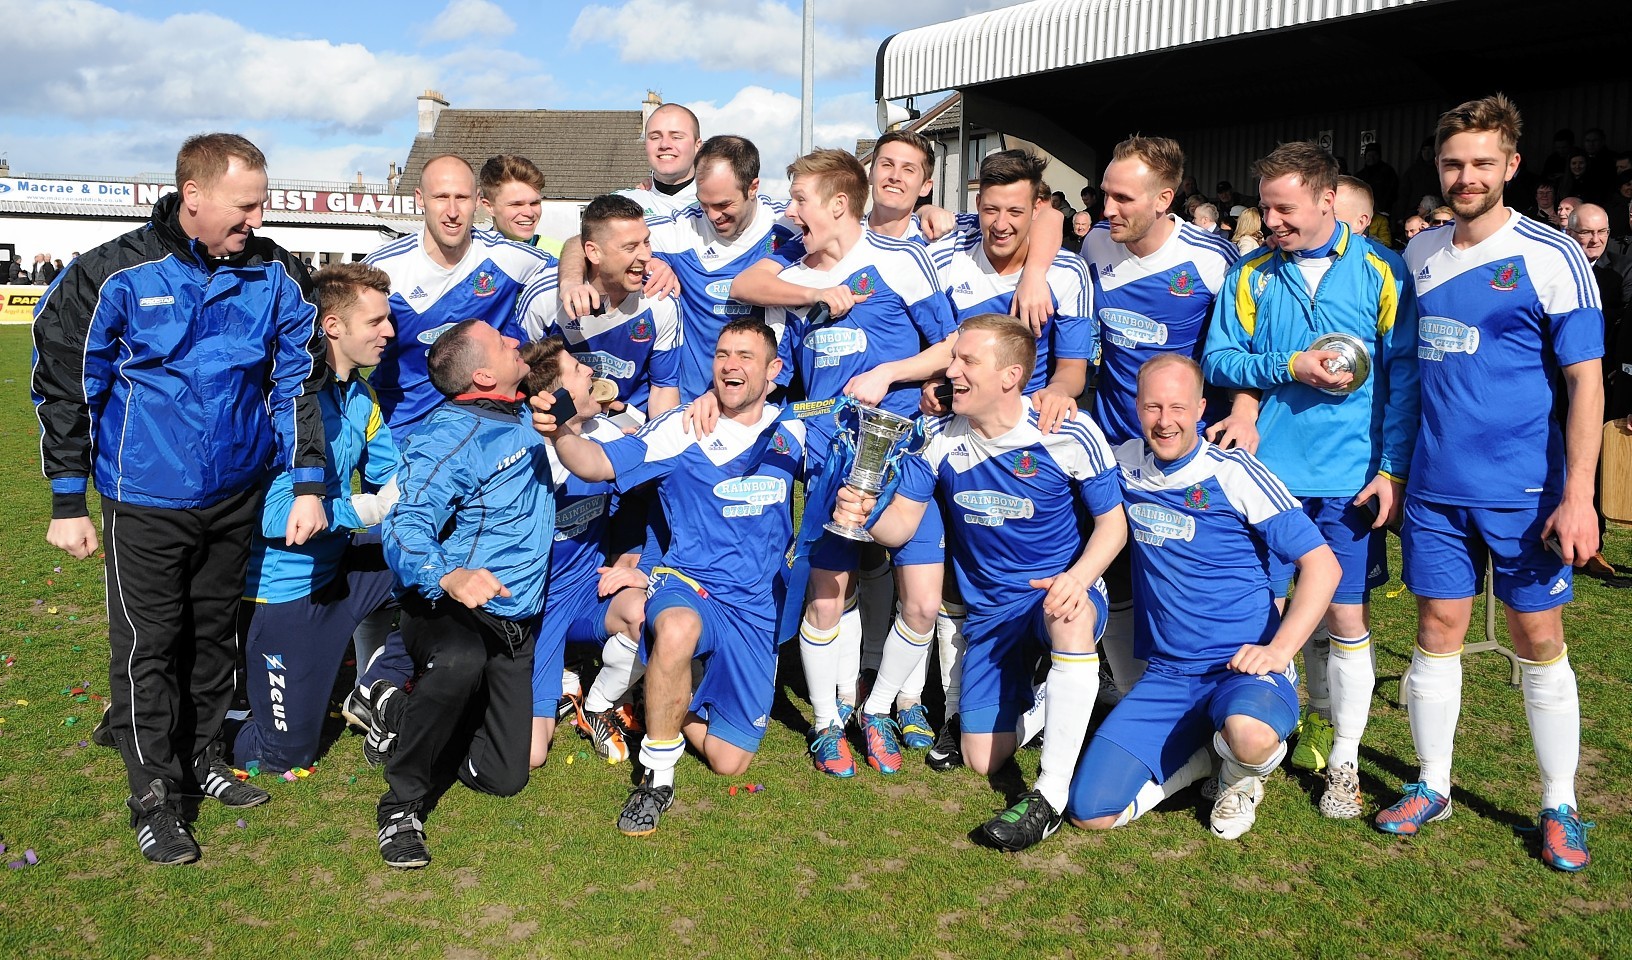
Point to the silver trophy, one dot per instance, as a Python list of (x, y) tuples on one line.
[(879, 431), (1352, 356)]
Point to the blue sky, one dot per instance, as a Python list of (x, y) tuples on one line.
[(328, 89)]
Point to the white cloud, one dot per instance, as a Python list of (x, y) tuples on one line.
[(770, 118), (85, 61), (468, 18), (737, 35)]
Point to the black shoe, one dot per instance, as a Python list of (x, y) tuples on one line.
[(645, 806), (221, 784), (402, 842), (1030, 821), (102, 736), (358, 713), (162, 835), (382, 732), (947, 752)]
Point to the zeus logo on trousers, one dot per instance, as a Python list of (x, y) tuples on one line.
[(1159, 523), (989, 508), (1442, 335), (753, 493)]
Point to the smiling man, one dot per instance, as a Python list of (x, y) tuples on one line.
[(1509, 310), (441, 275), (1027, 563), (176, 365), (728, 497), (1220, 654), (302, 603), (1343, 448), (512, 189), (673, 136)]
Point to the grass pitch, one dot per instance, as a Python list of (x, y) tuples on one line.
[(810, 867)]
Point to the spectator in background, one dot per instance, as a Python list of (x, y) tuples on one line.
[(1598, 179), (1187, 189), (1414, 225), (1620, 207), (1093, 204), (1227, 197), (1566, 206), (1206, 217), (1440, 216), (1192, 204), (1544, 208), (1249, 230), (1589, 225), (1574, 181), (1081, 223)]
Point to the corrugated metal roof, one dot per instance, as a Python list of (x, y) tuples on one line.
[(125, 211), (1054, 34)]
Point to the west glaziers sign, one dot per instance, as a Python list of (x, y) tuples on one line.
[(147, 194)]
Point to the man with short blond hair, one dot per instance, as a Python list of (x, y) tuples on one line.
[(511, 191), (177, 365)]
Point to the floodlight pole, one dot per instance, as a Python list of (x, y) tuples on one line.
[(808, 93)]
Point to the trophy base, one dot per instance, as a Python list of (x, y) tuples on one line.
[(858, 534)]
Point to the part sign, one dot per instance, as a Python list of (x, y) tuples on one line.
[(66, 191)]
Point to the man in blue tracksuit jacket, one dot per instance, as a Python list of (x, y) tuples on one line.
[(1345, 456), (469, 540), (177, 364), (302, 603)]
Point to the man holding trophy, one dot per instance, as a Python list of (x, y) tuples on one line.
[(1017, 500), (1324, 325)]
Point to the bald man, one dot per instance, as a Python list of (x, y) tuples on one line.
[(673, 137)]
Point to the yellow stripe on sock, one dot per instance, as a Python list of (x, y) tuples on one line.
[(1547, 663), (816, 637), (1439, 656), (1060, 656)]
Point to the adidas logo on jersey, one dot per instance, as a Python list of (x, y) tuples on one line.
[(961, 450), (965, 288), (717, 445), (1559, 587), (1423, 275), (711, 253), (418, 293), (1107, 271)]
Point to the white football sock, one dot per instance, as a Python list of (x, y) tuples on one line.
[(1234, 770), (818, 653), (904, 652), (1352, 680), (1116, 643), (1152, 793), (1435, 703), (847, 652), (620, 668), (660, 756), (1073, 686), (1554, 710), (949, 647)]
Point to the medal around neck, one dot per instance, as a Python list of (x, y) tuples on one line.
[(1352, 357), (878, 434)]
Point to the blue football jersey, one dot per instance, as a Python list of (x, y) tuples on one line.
[(705, 266), (976, 287), (1146, 306), (1203, 528), (905, 312), (728, 499), (582, 511), (1018, 506), (635, 343), (427, 299), (1496, 322)]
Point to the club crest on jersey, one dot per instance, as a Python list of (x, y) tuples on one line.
[(641, 331), (861, 284), (1506, 277), (1181, 283), (989, 508), (779, 444), (1128, 329), (1442, 335), (1155, 524), (753, 494), (1196, 497), (773, 242), (1024, 465), (483, 284)]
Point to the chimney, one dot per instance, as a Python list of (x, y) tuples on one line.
[(5, 167), (431, 106), (359, 178), (391, 176), (649, 106)]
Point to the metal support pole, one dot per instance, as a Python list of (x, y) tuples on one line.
[(808, 93)]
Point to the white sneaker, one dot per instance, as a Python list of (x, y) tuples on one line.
[(1236, 808), (1341, 801)]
